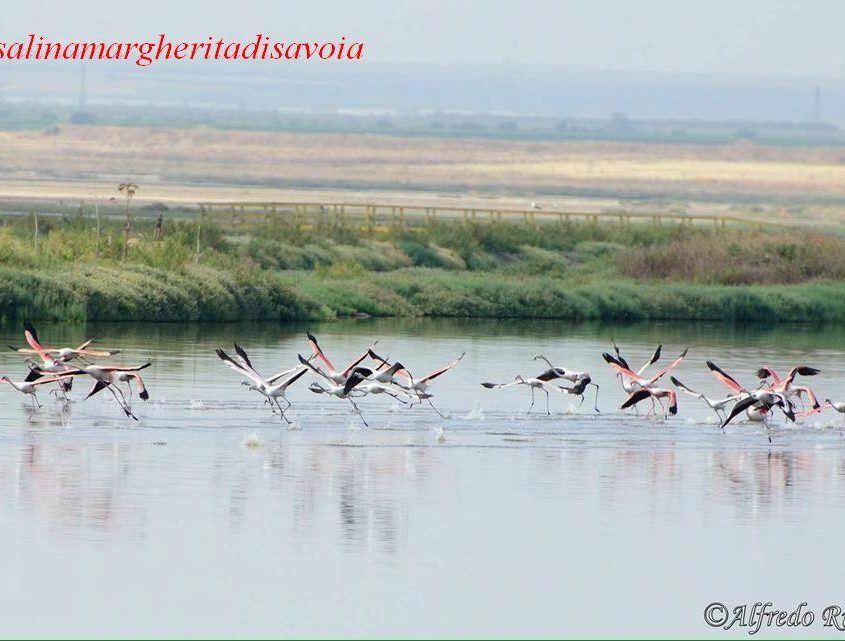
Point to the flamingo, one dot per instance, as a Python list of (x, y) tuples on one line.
[(653, 393), (335, 376), (63, 354), (419, 386), (343, 391), (106, 377), (272, 388), (651, 361), (839, 406), (50, 364), (532, 383), (580, 380), (764, 398), (716, 404), (636, 381), (30, 387), (785, 386), (384, 373)]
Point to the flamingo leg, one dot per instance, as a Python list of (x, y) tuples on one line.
[(357, 409), (530, 407), (548, 411), (282, 412), (596, 404), (439, 413)]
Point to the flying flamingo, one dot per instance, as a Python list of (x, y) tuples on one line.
[(532, 384), (272, 388), (580, 380), (765, 398), (786, 387), (716, 404), (62, 354), (654, 393), (335, 376), (419, 386), (636, 382), (30, 387), (343, 391), (106, 377)]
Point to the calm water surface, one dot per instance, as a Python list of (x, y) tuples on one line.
[(209, 517)]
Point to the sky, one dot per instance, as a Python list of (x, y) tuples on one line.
[(769, 38)]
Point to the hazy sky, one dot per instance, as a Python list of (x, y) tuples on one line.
[(757, 36)]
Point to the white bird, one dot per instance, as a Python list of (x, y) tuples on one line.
[(716, 404), (419, 386), (30, 388), (580, 380), (532, 383), (764, 398), (272, 388), (343, 391), (336, 376), (106, 377), (655, 393)]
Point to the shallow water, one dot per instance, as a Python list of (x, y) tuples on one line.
[(209, 517)]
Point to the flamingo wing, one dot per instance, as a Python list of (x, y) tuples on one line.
[(315, 347), (683, 387), (739, 407), (32, 338), (443, 370), (356, 362), (668, 368), (238, 367), (619, 367), (358, 375), (635, 397), (287, 372), (724, 377), (314, 368), (654, 358), (290, 381)]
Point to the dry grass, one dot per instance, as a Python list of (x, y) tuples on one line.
[(753, 258), (158, 158)]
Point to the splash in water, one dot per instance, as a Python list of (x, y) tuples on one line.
[(476, 413), (251, 440)]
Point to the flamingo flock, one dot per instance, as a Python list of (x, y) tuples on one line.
[(352, 382), (371, 374), (62, 365)]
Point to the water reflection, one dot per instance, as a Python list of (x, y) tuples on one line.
[(363, 498), (512, 524)]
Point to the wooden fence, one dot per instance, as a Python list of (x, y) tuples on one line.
[(368, 215)]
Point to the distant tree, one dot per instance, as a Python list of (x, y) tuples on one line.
[(128, 190)]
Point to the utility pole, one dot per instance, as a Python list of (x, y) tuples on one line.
[(82, 87)]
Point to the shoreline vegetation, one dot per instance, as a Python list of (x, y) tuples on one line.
[(574, 271)]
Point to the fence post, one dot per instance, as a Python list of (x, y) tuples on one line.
[(99, 228), (199, 231)]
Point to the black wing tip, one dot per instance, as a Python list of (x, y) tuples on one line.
[(808, 371), (144, 395), (303, 360), (763, 372), (676, 381), (488, 385)]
